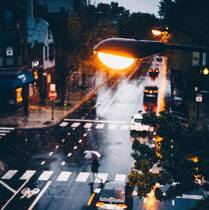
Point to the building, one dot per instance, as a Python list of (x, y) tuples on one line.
[(15, 75), (41, 49)]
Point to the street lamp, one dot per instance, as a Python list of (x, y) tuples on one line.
[(119, 48), (162, 33)]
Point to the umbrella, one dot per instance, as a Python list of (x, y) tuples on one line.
[(90, 154)]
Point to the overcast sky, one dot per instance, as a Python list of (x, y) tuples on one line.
[(147, 6)]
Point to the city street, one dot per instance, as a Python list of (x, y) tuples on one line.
[(46, 169)]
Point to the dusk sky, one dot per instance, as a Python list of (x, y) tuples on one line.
[(148, 6)]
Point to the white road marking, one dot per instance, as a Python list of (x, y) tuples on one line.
[(4, 131), (124, 127), (43, 162), (80, 141), (27, 175), (9, 174), (64, 176), (7, 128), (88, 125), (101, 177), (85, 134), (112, 126), (82, 177), (63, 163), (3, 134), (63, 124), (100, 126), (95, 121), (75, 125), (75, 147), (6, 204), (69, 154), (51, 153), (192, 197), (40, 195), (7, 186), (120, 177), (45, 176)]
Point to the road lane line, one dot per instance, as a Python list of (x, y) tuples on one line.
[(40, 195), (112, 126), (6, 204), (101, 177), (192, 197), (45, 176), (64, 176), (88, 125), (82, 177), (7, 186), (91, 199), (63, 124), (120, 177), (96, 121), (75, 125), (27, 175), (9, 174), (100, 126)]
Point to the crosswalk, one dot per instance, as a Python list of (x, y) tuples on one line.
[(97, 124), (62, 176), (4, 131)]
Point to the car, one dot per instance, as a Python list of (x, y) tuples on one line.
[(150, 92), (159, 59), (112, 196), (153, 72), (136, 123)]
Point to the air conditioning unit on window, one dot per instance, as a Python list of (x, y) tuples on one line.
[(9, 51)]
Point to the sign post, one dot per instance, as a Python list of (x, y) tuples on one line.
[(52, 96)]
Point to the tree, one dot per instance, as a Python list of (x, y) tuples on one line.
[(183, 158)]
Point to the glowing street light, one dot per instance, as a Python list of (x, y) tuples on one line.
[(121, 53)]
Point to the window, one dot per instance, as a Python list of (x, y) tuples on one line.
[(51, 52), (9, 61), (9, 56), (46, 53), (8, 19)]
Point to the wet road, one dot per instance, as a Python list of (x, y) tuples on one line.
[(46, 168)]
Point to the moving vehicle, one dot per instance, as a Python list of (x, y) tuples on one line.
[(112, 196), (153, 72), (150, 92)]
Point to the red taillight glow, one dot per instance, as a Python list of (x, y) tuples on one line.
[(99, 204)]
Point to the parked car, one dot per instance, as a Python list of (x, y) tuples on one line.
[(150, 92), (136, 124), (112, 196)]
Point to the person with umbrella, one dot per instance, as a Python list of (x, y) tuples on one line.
[(94, 168)]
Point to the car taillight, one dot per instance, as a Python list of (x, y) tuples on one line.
[(99, 204), (122, 205)]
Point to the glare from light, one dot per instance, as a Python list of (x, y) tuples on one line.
[(205, 71), (156, 32), (115, 61)]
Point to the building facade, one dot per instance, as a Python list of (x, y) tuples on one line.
[(15, 75)]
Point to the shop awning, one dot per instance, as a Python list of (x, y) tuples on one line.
[(13, 82)]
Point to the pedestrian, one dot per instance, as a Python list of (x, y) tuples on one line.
[(94, 168)]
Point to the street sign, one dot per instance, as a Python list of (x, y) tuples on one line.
[(52, 95), (199, 98), (52, 87)]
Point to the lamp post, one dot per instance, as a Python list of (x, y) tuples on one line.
[(162, 34)]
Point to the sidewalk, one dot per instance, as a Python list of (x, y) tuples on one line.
[(40, 116)]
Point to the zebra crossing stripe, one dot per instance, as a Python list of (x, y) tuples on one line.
[(27, 175), (45, 176), (3, 134), (192, 197), (100, 126), (88, 125), (120, 177), (64, 176), (82, 177), (5, 131), (63, 124), (9, 174), (7, 128), (124, 127), (75, 125), (101, 177), (112, 126)]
